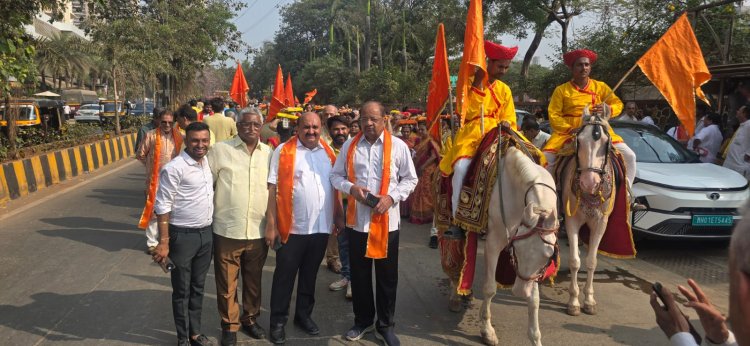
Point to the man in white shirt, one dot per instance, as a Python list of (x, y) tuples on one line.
[(373, 220), (531, 131), (707, 142), (302, 206), (641, 117), (184, 208), (738, 151), (631, 112), (240, 170)]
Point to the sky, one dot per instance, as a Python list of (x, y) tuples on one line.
[(260, 20)]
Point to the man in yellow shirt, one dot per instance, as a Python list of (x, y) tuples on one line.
[(497, 100), (567, 104)]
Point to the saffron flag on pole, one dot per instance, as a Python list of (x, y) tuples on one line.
[(239, 89), (439, 89), (309, 95), (278, 97), (675, 65), (289, 93), (473, 55)]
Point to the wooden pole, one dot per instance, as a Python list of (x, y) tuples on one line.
[(620, 83)]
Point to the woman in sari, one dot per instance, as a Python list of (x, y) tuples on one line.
[(426, 162)]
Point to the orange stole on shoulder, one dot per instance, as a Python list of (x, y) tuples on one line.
[(285, 185), (148, 210), (377, 238)]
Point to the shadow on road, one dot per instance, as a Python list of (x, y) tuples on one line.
[(119, 197), (88, 222), (110, 241), (136, 316)]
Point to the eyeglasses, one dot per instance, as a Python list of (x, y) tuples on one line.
[(245, 124)]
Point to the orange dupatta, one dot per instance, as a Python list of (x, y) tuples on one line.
[(285, 184), (148, 210), (377, 238)]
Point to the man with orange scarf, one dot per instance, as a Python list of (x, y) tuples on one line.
[(159, 146), (377, 172), (302, 209)]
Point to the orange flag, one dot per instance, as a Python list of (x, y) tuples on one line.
[(439, 90), (239, 89), (288, 93), (309, 95), (473, 54), (675, 65), (277, 99)]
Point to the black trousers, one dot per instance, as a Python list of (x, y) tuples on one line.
[(386, 281), (191, 250), (303, 254)]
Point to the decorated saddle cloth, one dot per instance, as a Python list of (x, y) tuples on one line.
[(617, 241), (458, 256)]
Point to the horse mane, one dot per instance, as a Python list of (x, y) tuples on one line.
[(522, 167)]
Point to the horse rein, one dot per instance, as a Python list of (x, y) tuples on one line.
[(534, 230), (598, 124)]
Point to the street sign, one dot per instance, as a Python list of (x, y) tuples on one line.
[(454, 79)]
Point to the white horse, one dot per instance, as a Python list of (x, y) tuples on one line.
[(591, 204), (522, 216)]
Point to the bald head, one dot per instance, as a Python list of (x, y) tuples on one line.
[(631, 109), (308, 129), (329, 111)]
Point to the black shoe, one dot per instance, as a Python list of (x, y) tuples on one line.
[(433, 242), (201, 340), (228, 338), (387, 336), (308, 325), (357, 332), (183, 342), (277, 334), (254, 330)]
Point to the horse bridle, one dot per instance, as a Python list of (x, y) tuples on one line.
[(598, 124), (538, 230)]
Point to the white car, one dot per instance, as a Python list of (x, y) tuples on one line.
[(88, 113), (684, 197)]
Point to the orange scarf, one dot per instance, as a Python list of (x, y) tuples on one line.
[(148, 210), (377, 238), (285, 185)]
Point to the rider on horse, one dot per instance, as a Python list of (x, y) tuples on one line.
[(497, 100), (567, 104)]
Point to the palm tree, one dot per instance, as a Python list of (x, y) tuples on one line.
[(62, 56)]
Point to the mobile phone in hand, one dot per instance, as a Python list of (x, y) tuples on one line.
[(276, 244), (371, 200), (657, 288)]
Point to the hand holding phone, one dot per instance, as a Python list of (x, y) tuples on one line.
[(675, 314), (371, 200)]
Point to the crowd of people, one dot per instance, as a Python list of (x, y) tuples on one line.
[(335, 184)]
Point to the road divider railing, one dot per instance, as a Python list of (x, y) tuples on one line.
[(22, 177)]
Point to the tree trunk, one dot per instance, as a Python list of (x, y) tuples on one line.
[(564, 35), (368, 39), (44, 80), (538, 35), (403, 40), (359, 61), (380, 53), (349, 50), (117, 114), (11, 114)]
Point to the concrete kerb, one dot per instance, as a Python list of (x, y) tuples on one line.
[(21, 177)]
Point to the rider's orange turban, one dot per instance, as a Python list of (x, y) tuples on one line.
[(570, 57)]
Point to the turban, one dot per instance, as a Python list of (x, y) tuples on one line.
[(496, 51), (570, 57)]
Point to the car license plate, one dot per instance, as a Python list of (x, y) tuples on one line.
[(712, 220)]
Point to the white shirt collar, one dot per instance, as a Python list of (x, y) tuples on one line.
[(189, 160)]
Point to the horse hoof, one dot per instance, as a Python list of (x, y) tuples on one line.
[(490, 340), (574, 310), (455, 305), (589, 309)]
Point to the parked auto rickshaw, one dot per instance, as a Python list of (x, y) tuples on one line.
[(35, 112), (109, 109)]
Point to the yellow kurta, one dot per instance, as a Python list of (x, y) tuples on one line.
[(566, 110), (498, 106)]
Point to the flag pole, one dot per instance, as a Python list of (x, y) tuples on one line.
[(450, 112), (612, 92)]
